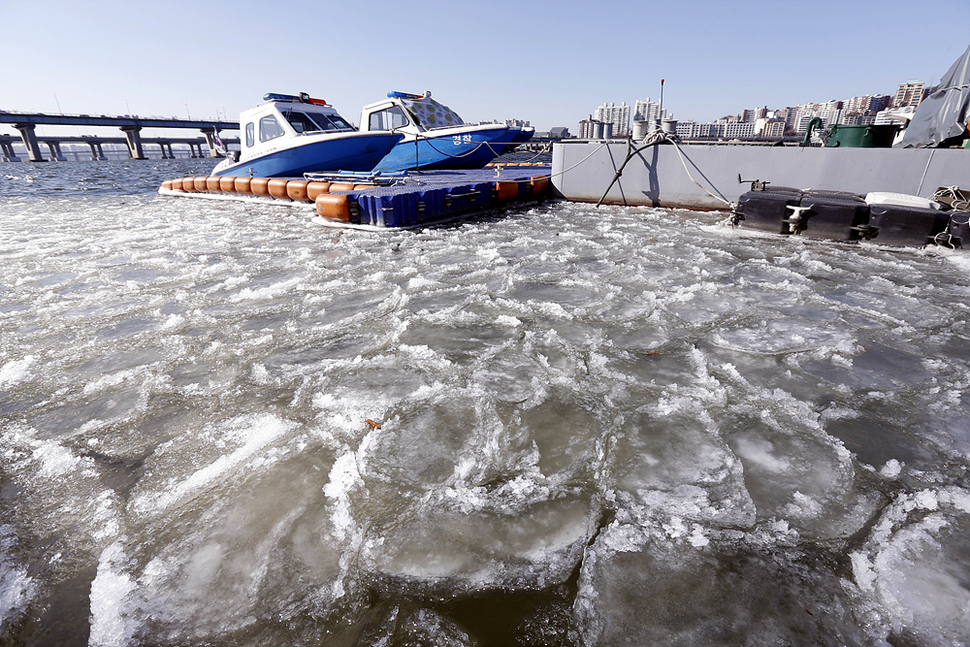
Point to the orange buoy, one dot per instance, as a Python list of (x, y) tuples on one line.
[(296, 190), (260, 186), (277, 188), (333, 207), (505, 191), (188, 184), (200, 183), (167, 185), (241, 184), (540, 184), (313, 189), (227, 184), (212, 184), (341, 186)]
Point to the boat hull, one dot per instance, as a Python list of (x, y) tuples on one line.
[(452, 148), (352, 152), (662, 176)]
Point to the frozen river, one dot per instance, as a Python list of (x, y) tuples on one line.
[(224, 424)]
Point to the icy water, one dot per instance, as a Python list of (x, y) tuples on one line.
[(226, 425)]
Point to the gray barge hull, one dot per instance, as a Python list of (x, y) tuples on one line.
[(656, 176)]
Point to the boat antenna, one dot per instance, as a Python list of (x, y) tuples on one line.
[(661, 115)]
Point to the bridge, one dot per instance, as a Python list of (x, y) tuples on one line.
[(130, 126), (97, 143)]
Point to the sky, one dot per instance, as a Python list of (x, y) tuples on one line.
[(551, 63)]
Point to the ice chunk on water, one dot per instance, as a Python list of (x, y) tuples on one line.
[(786, 336), (420, 626), (677, 469), (916, 567), (110, 626), (454, 495), (672, 593), (441, 548), (17, 588), (16, 370), (803, 478), (793, 470), (261, 551), (179, 469)]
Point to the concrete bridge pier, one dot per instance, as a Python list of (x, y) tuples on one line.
[(55, 149), (133, 137), (167, 153), (210, 140), (8, 153), (97, 153), (30, 141)]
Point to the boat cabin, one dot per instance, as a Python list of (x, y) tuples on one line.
[(409, 113), (288, 115)]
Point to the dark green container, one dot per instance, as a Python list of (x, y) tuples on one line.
[(870, 136)]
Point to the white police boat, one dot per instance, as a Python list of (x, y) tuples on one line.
[(289, 135), (435, 137)]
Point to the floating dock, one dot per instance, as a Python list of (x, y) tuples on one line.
[(381, 201)]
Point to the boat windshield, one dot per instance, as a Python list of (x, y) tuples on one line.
[(315, 122), (430, 114)]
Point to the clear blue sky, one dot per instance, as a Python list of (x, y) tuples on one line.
[(551, 63)]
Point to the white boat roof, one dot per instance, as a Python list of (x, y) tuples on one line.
[(426, 111)]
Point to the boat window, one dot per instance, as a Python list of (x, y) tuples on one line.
[(387, 119), (331, 122), (339, 123), (301, 123), (269, 128), (250, 130)]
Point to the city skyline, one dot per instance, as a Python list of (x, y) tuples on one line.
[(857, 110), (548, 63)]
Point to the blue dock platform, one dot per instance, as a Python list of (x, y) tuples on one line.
[(377, 201)]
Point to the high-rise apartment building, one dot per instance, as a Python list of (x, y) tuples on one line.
[(869, 103), (619, 116), (908, 94), (648, 111), (831, 111), (773, 128), (749, 116)]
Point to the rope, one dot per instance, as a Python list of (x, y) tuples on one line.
[(544, 150), (957, 202), (653, 139), (563, 172), (684, 163), (488, 144)]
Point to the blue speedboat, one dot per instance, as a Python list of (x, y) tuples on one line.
[(435, 137), (289, 135)]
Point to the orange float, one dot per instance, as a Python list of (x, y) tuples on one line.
[(540, 184), (241, 184), (296, 190), (227, 184), (333, 207), (212, 184), (277, 188), (260, 186), (200, 183), (505, 191), (313, 189), (341, 186)]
